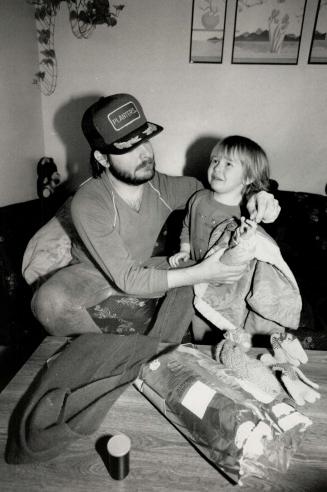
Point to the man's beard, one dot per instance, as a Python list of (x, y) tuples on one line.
[(127, 178)]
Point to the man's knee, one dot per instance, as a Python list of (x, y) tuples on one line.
[(49, 305)]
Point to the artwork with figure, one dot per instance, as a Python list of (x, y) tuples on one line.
[(208, 27), (318, 50), (268, 31)]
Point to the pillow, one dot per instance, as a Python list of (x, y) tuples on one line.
[(50, 248)]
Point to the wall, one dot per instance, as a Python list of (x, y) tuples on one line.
[(21, 134), (147, 54)]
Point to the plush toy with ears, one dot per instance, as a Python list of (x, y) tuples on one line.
[(48, 177)]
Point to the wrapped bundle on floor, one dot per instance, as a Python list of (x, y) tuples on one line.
[(205, 401)]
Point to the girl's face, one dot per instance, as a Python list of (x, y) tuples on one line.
[(226, 176)]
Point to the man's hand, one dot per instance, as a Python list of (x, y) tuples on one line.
[(213, 270), (263, 207)]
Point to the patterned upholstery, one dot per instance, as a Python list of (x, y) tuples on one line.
[(124, 315)]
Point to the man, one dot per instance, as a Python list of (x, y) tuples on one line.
[(118, 215)]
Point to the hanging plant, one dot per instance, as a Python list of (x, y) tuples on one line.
[(84, 16)]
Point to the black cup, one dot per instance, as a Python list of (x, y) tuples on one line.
[(118, 456)]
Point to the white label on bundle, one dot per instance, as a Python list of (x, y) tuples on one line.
[(197, 398), (289, 421)]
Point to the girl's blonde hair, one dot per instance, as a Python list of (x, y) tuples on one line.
[(253, 158)]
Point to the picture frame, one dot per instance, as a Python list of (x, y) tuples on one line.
[(268, 32), (318, 48), (207, 31)]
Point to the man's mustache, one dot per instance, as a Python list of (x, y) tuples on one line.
[(145, 163)]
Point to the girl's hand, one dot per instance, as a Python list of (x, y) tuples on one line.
[(176, 259), (246, 229)]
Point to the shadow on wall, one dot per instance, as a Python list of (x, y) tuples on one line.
[(67, 123), (197, 158)]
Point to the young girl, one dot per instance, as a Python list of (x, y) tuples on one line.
[(238, 168), (266, 299)]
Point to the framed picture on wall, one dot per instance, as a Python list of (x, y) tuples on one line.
[(208, 30), (318, 49), (268, 31)]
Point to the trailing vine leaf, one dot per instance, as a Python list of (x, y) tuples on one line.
[(44, 36), (55, 3), (40, 75), (48, 53), (119, 7), (111, 21), (47, 61), (73, 15), (41, 13), (84, 17)]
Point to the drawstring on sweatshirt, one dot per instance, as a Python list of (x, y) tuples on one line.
[(160, 197), (115, 208)]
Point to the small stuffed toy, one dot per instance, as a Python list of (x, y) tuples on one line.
[(48, 177), (252, 375)]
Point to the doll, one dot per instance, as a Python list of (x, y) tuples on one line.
[(48, 177)]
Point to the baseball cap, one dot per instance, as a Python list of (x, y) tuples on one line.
[(116, 124)]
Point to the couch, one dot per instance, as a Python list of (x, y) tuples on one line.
[(300, 231)]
